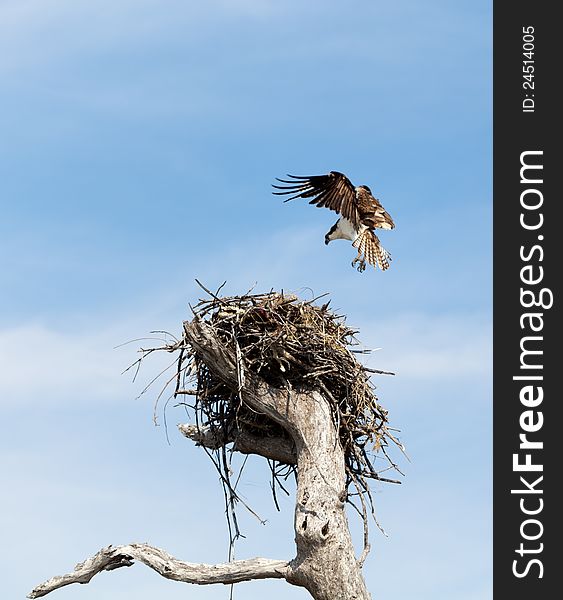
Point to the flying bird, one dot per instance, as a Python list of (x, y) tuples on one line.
[(360, 213)]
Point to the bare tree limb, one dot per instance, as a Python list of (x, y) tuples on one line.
[(274, 448), (166, 565)]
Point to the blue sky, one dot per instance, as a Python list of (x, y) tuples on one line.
[(139, 141)]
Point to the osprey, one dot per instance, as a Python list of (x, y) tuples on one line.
[(360, 212)]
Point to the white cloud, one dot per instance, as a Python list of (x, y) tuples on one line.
[(427, 346), (48, 366), (81, 361), (60, 367)]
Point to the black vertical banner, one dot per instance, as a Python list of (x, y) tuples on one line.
[(528, 258)]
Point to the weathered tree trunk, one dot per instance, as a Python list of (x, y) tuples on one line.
[(325, 563)]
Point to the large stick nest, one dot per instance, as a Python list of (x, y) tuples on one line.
[(289, 343)]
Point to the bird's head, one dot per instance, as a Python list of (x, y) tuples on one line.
[(365, 187)]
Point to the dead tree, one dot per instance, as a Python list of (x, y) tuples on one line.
[(276, 377)]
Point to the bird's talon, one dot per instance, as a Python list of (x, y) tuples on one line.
[(361, 264)]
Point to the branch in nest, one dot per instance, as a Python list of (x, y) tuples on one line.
[(166, 565), (274, 448)]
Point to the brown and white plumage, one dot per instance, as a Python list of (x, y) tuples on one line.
[(360, 212)]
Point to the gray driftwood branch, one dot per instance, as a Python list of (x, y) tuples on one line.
[(111, 558)]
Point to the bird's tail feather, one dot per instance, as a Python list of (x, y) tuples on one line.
[(368, 244)]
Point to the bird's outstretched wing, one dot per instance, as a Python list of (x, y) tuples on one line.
[(369, 245), (333, 191)]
